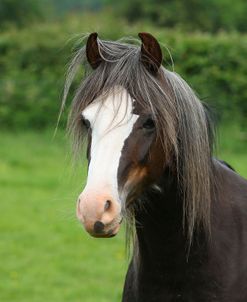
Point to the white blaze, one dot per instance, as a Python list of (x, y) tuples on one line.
[(112, 122)]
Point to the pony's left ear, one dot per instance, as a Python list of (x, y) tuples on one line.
[(92, 51), (151, 54)]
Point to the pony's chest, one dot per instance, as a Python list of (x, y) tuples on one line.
[(172, 286)]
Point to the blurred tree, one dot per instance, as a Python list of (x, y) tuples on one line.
[(210, 15), (63, 6), (20, 12)]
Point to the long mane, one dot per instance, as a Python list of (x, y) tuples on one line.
[(181, 119)]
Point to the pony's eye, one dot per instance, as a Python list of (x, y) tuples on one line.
[(149, 124), (86, 123)]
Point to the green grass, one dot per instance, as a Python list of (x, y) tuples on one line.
[(44, 253)]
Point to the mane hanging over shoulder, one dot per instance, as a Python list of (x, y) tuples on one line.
[(181, 119)]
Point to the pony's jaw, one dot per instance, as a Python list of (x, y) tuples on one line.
[(111, 122)]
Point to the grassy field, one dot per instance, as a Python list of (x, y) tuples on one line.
[(44, 254)]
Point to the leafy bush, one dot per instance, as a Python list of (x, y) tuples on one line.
[(33, 65), (210, 15), (19, 13)]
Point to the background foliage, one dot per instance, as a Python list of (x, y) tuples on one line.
[(33, 64), (192, 15), (195, 15), (20, 13)]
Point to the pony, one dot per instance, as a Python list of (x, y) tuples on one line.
[(149, 151)]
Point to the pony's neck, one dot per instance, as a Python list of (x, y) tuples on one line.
[(159, 219), (162, 239), (162, 263)]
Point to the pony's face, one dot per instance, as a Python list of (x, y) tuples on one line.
[(124, 156)]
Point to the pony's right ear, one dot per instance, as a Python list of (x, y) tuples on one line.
[(92, 51)]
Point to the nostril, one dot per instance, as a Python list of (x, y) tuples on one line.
[(98, 227), (107, 205)]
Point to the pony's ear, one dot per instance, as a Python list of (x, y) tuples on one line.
[(92, 51), (151, 54)]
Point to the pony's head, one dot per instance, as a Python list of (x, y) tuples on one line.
[(139, 120)]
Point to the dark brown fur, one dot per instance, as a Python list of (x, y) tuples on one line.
[(215, 269)]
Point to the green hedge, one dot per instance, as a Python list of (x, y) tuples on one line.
[(33, 64)]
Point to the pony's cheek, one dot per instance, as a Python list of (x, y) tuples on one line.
[(145, 170), (135, 184), (136, 175), (142, 149)]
